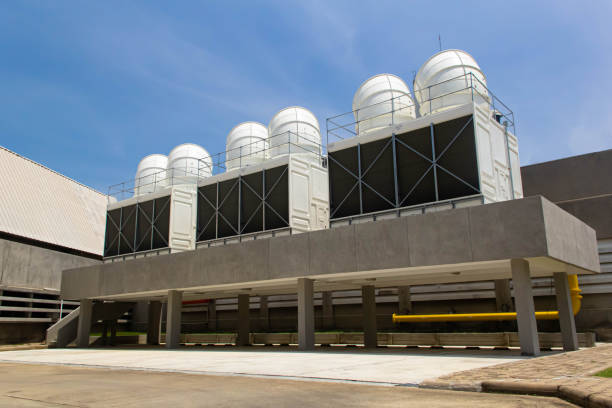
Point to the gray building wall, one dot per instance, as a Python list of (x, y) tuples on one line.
[(28, 266), (581, 185)]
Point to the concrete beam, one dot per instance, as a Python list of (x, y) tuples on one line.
[(306, 321), (85, 321), (368, 299), (173, 319), (525, 309), (405, 304), (244, 317), (154, 322), (503, 296), (566, 313)]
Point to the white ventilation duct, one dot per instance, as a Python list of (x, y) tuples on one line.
[(383, 100), (448, 79), (187, 163), (246, 145), (151, 174), (294, 130)]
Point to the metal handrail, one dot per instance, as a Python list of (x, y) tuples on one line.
[(344, 125), (217, 163)]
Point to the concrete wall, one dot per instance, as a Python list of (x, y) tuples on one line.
[(572, 178), (581, 185), (29, 266)]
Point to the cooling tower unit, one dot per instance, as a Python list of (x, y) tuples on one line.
[(160, 222), (151, 174), (381, 101), (187, 163), (294, 130), (281, 196), (247, 145), (448, 79), (456, 157)]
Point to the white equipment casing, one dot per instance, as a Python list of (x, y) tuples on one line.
[(381, 101), (246, 145), (151, 174), (188, 162), (448, 79), (294, 130)]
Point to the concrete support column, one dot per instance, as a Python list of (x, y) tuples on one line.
[(566, 312), (368, 299), (306, 318), (327, 301), (85, 321), (173, 319), (503, 296), (243, 320), (525, 309), (405, 304), (113, 332), (264, 315), (212, 314), (154, 322)]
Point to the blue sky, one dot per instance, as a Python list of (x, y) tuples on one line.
[(88, 88)]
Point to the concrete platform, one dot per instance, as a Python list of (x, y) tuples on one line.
[(29, 385), (382, 367), (459, 245)]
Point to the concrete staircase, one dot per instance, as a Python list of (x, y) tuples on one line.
[(64, 331)]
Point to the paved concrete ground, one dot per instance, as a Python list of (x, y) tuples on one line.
[(385, 366), (567, 375), (27, 385)]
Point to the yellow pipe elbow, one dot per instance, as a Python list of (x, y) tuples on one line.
[(473, 317)]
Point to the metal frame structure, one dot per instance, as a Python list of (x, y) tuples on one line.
[(142, 226), (401, 164), (246, 204)]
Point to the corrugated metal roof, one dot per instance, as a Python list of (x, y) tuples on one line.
[(41, 204)]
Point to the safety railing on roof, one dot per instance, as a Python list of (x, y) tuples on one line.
[(248, 154), (394, 111)]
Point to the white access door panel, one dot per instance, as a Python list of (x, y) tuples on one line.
[(498, 160), (183, 217), (308, 194)]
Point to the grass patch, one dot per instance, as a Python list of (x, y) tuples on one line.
[(607, 373)]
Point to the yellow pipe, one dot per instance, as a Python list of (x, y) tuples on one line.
[(467, 317)]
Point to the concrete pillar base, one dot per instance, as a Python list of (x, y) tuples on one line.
[(566, 312), (154, 322), (243, 321), (173, 319), (525, 309), (306, 321), (85, 322), (368, 298)]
